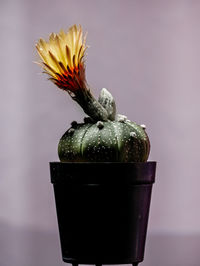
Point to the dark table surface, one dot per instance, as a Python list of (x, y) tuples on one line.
[(25, 247)]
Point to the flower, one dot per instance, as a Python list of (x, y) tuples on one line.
[(63, 59)]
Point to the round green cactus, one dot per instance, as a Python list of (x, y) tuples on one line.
[(104, 136), (112, 141)]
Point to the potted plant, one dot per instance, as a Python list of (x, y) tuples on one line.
[(103, 181)]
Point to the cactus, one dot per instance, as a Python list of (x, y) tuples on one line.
[(104, 136)]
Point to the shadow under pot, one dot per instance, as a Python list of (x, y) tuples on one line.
[(102, 210)]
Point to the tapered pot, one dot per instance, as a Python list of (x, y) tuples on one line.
[(102, 210)]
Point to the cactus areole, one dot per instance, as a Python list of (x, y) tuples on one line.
[(104, 136)]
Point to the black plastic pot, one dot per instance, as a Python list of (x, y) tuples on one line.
[(102, 210)]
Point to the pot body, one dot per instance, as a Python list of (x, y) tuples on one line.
[(102, 210)]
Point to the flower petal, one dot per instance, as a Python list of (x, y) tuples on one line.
[(62, 58)]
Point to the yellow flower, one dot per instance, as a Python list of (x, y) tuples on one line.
[(62, 58)]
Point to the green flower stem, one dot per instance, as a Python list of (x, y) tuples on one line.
[(90, 105)]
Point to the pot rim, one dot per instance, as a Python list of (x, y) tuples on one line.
[(103, 172)]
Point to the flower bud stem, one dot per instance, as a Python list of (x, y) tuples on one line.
[(90, 105)]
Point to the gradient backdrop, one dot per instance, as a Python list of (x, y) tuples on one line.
[(147, 53)]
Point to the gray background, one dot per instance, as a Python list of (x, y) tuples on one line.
[(147, 53)]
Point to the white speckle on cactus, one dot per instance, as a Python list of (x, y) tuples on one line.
[(71, 131), (132, 134), (121, 118), (143, 126), (100, 124)]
